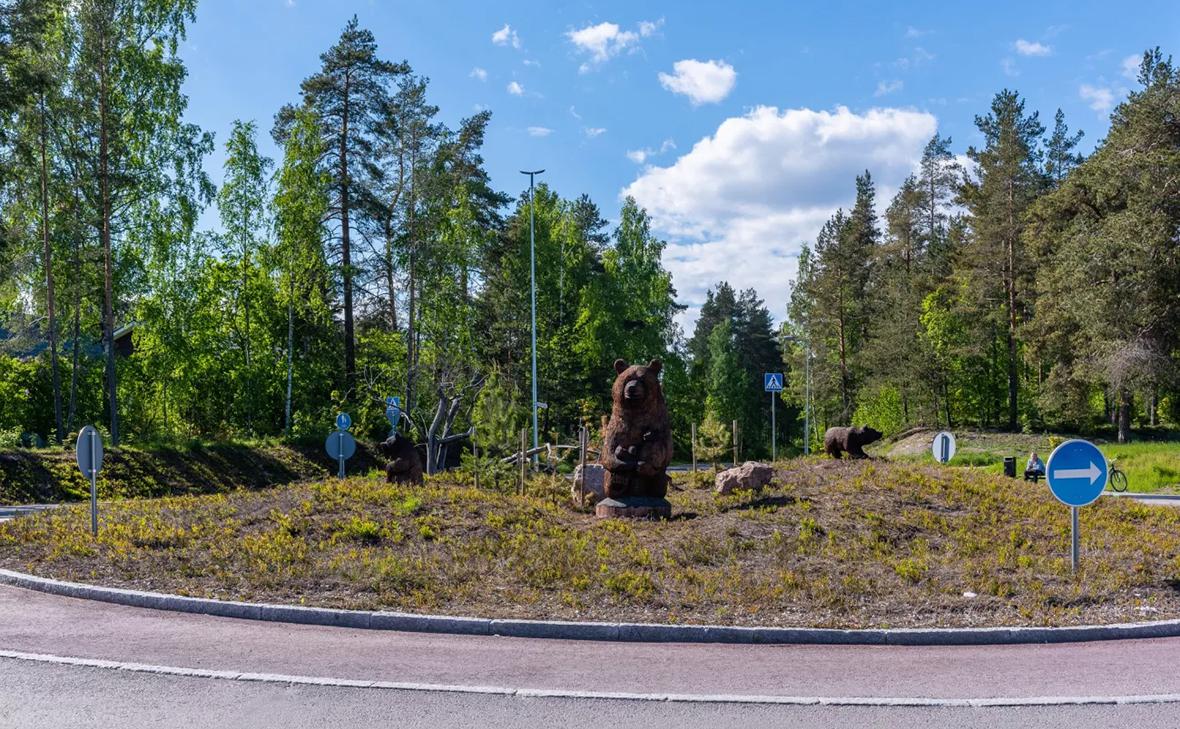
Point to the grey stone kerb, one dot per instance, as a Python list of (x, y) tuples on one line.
[(633, 632)]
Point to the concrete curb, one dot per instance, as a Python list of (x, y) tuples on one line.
[(622, 632)]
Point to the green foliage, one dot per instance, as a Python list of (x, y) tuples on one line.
[(883, 410)]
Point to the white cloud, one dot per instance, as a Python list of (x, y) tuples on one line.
[(917, 58), (515, 89), (539, 131), (703, 82), (574, 113), (604, 41), (888, 87), (912, 32), (1031, 48), (649, 27), (1009, 67), (1130, 66), (1100, 98), (639, 156), (738, 205), (479, 73), (593, 132), (506, 36)]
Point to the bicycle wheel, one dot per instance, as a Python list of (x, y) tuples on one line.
[(1118, 481)]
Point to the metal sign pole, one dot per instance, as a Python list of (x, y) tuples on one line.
[(773, 432), (93, 485), (1074, 537), (340, 456)]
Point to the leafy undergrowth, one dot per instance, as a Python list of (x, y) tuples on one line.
[(843, 544), (50, 475), (1151, 466)]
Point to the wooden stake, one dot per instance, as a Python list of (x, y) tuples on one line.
[(523, 458), (735, 444), (694, 454), (582, 439), (475, 456)]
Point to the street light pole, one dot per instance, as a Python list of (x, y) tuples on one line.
[(533, 292)]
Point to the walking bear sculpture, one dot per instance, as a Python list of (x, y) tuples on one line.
[(405, 463), (637, 442), (850, 440)]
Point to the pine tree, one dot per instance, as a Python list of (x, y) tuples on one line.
[(348, 95), (1008, 180), (1059, 155)]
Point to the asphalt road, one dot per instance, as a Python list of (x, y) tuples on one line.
[(35, 695), (43, 692)]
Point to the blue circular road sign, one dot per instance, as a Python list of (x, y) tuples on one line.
[(1076, 472), (340, 444), (343, 421)]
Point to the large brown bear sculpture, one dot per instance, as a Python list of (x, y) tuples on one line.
[(850, 440), (637, 442), (405, 463)]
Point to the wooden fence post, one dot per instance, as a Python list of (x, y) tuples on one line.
[(735, 444), (523, 458)]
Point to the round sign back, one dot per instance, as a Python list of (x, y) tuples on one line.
[(89, 450), (1076, 472), (340, 443), (943, 447)]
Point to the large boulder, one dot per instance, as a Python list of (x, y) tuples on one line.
[(595, 482), (750, 476)]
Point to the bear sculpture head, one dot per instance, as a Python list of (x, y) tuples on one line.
[(637, 387)]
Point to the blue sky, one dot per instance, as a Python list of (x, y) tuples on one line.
[(738, 125)]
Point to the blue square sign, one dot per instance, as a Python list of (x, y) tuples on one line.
[(772, 381)]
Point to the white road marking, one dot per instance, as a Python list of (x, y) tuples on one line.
[(534, 693)]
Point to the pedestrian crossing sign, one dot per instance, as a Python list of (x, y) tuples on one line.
[(772, 381)]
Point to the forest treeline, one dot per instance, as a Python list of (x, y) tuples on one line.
[(1023, 287), (373, 257)]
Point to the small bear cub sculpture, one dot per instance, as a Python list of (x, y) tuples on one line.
[(405, 464), (850, 440), (637, 442)]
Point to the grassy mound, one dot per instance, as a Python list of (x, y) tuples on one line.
[(51, 475), (846, 544)]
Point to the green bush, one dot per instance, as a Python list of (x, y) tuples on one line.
[(882, 409)]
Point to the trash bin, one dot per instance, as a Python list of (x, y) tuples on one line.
[(1010, 466)]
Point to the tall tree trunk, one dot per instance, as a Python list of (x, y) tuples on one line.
[(345, 243), (47, 260), (1010, 283), (108, 307), (77, 330), (290, 354), (1124, 416), (411, 318), (1153, 405), (390, 282)]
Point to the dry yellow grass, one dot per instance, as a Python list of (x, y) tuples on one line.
[(848, 544)]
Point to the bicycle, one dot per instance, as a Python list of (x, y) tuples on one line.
[(1118, 479)]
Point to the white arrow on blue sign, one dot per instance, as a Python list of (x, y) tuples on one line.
[(343, 421), (772, 381), (1076, 472)]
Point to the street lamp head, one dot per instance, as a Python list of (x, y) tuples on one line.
[(531, 172)]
